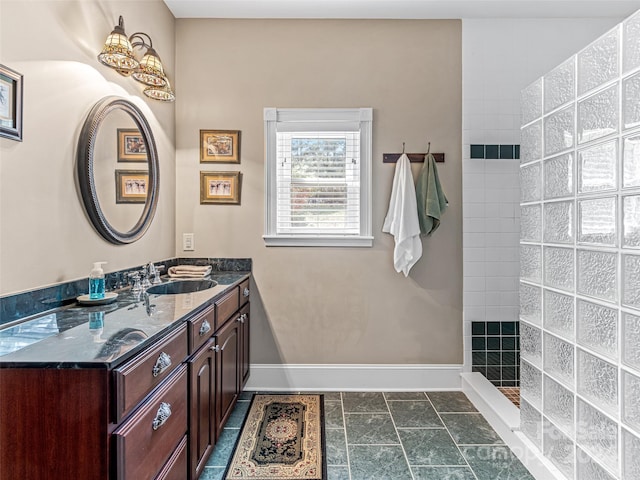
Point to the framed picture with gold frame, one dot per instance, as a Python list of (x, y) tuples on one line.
[(132, 186), (131, 146), (220, 188), (10, 104), (219, 146)]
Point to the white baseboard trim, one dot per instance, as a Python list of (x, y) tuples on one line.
[(353, 377), (504, 417)]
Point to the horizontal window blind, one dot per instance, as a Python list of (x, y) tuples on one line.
[(318, 182)]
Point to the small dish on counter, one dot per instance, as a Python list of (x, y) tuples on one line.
[(109, 297)]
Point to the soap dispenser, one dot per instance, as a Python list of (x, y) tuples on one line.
[(96, 281)]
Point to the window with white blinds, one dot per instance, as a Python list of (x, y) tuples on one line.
[(318, 173)]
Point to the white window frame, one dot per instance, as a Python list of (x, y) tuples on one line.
[(314, 119)]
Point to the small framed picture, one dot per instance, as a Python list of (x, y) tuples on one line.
[(220, 146), (131, 146), (220, 187), (10, 104), (131, 186)]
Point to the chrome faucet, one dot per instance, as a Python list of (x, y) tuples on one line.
[(154, 272)]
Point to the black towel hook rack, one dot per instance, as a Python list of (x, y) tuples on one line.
[(413, 157)]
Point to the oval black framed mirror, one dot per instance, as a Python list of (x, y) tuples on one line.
[(137, 186)]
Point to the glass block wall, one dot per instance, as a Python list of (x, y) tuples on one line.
[(580, 260)]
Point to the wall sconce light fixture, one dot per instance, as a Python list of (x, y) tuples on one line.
[(117, 53)]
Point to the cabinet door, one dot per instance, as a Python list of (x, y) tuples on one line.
[(244, 341), (227, 371), (202, 395)]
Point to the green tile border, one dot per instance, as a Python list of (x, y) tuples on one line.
[(493, 151)]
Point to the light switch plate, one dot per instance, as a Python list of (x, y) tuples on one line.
[(187, 242)]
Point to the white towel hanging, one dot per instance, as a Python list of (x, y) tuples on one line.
[(402, 218)]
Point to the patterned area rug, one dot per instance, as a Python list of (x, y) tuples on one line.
[(282, 438)]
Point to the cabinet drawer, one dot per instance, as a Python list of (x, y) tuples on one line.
[(244, 292), (226, 306), (136, 378), (146, 441), (201, 328), (176, 467)]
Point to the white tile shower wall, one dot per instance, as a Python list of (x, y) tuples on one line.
[(500, 58), (585, 348)]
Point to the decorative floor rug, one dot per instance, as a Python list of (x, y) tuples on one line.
[(282, 438)]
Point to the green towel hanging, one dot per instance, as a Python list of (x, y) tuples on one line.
[(432, 201)]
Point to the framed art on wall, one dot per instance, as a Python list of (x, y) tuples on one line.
[(10, 104), (219, 146), (131, 146), (131, 186), (220, 188)]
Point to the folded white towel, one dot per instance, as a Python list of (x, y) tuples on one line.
[(189, 271), (402, 218)]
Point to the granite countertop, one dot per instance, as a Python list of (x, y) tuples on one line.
[(103, 336)]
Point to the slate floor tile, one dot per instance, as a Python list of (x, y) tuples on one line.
[(336, 447), (442, 473), (236, 419), (491, 463), (337, 473), (414, 414), (333, 415), (378, 462), (405, 396), (451, 402), (370, 428), (224, 447), (364, 402), (430, 447), (212, 473), (396, 436), (470, 429)]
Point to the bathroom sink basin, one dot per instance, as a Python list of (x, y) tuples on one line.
[(181, 286)]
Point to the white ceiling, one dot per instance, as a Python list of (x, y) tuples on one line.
[(401, 8)]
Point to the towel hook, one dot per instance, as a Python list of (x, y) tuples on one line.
[(428, 147), (402, 147)]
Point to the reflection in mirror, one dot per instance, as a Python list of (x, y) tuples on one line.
[(118, 171), (121, 195)]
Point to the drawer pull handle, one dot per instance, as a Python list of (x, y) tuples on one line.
[(246, 292), (215, 349), (242, 318), (162, 363), (164, 412), (205, 327)]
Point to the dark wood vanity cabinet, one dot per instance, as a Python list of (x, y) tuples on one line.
[(156, 416), (218, 370)]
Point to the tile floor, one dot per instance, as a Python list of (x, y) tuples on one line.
[(512, 393), (397, 436)]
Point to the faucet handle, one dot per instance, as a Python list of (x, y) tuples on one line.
[(135, 276)]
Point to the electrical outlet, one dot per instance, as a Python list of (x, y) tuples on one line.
[(187, 242)]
